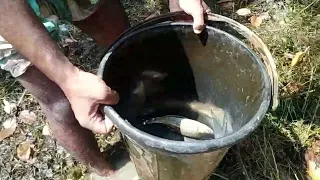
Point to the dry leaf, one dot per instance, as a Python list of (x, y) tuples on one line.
[(10, 127), (31, 161), (68, 40), (255, 21), (24, 151), (6, 107), (292, 88), (243, 12), (9, 123), (296, 58), (27, 117), (289, 55), (6, 133), (46, 131), (312, 160), (264, 16)]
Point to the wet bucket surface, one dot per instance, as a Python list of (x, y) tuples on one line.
[(214, 68)]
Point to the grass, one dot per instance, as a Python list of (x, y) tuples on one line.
[(274, 151)]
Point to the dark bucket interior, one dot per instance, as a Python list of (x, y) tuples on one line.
[(169, 70)]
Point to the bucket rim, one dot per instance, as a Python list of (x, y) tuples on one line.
[(181, 147)]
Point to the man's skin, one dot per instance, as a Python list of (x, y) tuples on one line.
[(69, 96)]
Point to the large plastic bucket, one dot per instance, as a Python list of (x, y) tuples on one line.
[(227, 66)]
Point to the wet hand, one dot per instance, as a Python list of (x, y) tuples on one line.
[(197, 9), (86, 92)]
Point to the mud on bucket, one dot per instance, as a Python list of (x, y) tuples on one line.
[(160, 67)]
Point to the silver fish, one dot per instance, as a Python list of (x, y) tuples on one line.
[(208, 113), (207, 109), (185, 126)]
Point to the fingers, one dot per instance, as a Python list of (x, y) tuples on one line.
[(196, 10), (100, 124), (110, 97), (108, 124), (96, 120), (198, 20)]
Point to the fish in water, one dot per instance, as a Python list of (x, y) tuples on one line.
[(185, 126), (147, 83), (209, 114), (206, 109)]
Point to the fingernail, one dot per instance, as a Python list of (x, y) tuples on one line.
[(197, 31)]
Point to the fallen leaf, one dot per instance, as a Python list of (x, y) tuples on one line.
[(46, 131), (312, 160), (24, 151), (10, 126), (296, 58), (293, 88), (289, 55), (31, 161), (68, 40), (6, 133), (27, 117), (255, 21), (9, 122), (264, 16), (8, 106), (243, 12)]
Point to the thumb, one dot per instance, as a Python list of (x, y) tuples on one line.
[(198, 20), (195, 9)]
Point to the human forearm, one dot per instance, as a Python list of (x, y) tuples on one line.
[(174, 6), (20, 26)]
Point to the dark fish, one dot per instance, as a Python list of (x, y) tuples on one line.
[(148, 83)]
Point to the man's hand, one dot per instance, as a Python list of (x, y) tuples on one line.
[(85, 92), (195, 8)]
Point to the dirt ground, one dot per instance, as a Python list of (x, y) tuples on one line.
[(276, 150)]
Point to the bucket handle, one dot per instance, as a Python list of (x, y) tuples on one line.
[(257, 43)]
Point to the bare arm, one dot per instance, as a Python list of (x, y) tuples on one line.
[(20, 26)]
